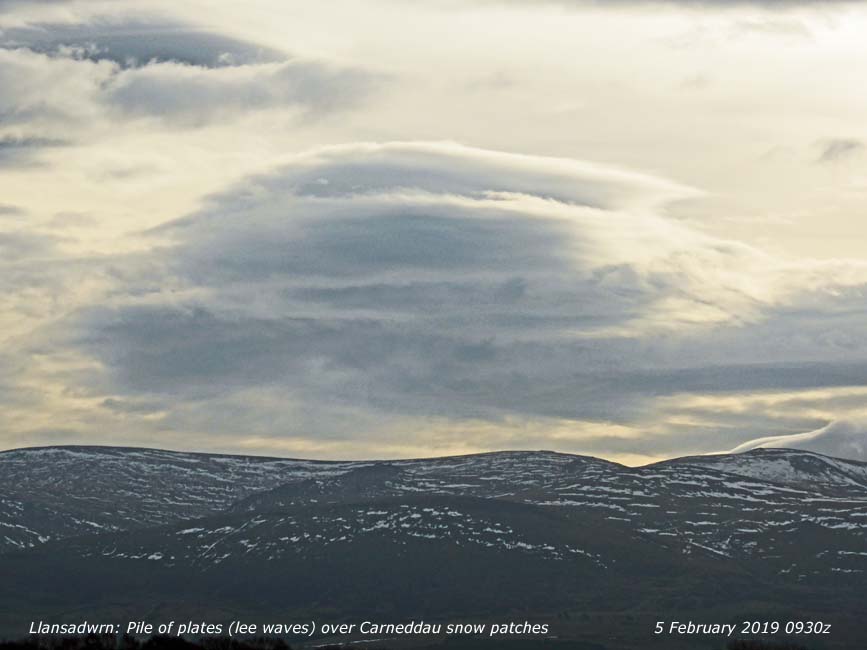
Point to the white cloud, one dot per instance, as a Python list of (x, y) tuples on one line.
[(44, 90), (843, 439), (40, 90)]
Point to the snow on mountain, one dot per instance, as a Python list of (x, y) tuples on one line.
[(53, 492), (790, 466), (164, 523), (728, 506)]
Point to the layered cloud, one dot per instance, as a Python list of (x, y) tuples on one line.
[(414, 283), (137, 42), (57, 76), (48, 88)]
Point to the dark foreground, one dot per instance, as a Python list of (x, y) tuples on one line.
[(598, 552)]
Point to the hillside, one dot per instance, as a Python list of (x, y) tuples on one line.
[(597, 549)]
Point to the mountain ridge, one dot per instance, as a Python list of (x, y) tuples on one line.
[(755, 452), (543, 534)]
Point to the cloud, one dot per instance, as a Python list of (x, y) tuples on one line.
[(16, 246), (8, 5), (134, 43), (414, 282), (842, 439), (49, 89), (697, 4), (18, 151), (192, 94), (9, 210), (45, 93), (395, 275), (835, 149)]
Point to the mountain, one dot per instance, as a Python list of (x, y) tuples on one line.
[(49, 493), (799, 468), (598, 550)]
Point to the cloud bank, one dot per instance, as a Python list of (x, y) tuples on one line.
[(379, 292)]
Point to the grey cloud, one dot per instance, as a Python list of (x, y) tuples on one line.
[(409, 292), (38, 437), (8, 5), (733, 377), (16, 151), (9, 210), (403, 239), (20, 245), (133, 44), (191, 95), (697, 4), (351, 276), (835, 149), (50, 91)]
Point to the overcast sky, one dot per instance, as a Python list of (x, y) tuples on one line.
[(382, 228)]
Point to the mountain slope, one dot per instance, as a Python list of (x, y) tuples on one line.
[(57, 492), (789, 466), (114, 532)]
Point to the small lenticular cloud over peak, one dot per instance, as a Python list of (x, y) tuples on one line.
[(844, 439)]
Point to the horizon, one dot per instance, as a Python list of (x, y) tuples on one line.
[(754, 450)]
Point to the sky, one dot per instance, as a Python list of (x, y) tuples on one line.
[(382, 229)]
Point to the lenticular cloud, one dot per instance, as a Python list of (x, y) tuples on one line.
[(418, 280)]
